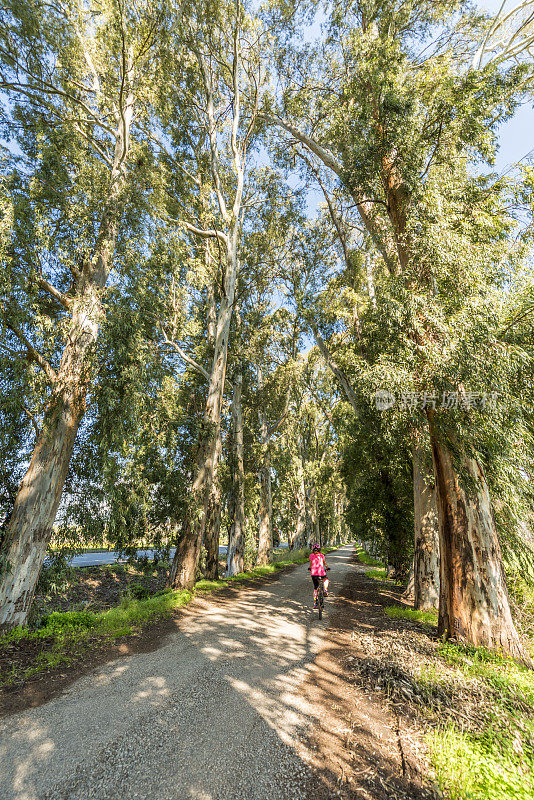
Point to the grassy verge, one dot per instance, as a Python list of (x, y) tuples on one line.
[(378, 574), (490, 757), (397, 612), (481, 704), (476, 705), (64, 636), (365, 558)]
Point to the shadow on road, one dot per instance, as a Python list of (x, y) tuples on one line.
[(220, 712)]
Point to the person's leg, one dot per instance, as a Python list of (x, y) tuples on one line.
[(326, 582)]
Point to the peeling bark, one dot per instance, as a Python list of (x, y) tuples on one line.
[(474, 603), (426, 538), (185, 563), (186, 558)]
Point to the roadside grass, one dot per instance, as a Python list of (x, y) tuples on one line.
[(378, 575), (491, 766), (494, 760), (365, 558), (65, 635), (481, 707), (427, 617)]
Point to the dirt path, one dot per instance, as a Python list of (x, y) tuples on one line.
[(245, 701)]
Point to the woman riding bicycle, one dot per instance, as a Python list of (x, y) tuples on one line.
[(318, 567)]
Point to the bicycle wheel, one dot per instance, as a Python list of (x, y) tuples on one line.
[(320, 602)]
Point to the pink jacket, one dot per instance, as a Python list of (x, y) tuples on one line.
[(317, 564)]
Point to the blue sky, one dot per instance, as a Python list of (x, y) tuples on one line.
[(517, 135)]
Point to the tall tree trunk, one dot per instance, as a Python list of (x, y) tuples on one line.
[(474, 603), (186, 558), (265, 538), (426, 537), (314, 515), (213, 516), (185, 563), (305, 494), (29, 528), (299, 532), (235, 558)]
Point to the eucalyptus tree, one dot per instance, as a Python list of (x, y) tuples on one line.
[(396, 120), (263, 349), (75, 78), (346, 313), (223, 74)]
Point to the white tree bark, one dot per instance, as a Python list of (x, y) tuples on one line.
[(185, 563)]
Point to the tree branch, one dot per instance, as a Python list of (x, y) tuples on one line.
[(337, 371), (199, 368), (33, 422), (65, 301), (362, 204), (209, 234), (32, 353)]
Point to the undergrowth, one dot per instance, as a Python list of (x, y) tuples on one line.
[(365, 558), (494, 759), (397, 612), (377, 574), (479, 703), (490, 754)]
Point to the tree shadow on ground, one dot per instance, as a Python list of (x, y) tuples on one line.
[(223, 711)]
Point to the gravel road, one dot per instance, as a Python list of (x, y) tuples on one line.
[(214, 714)]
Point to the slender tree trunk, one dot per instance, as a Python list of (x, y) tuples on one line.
[(265, 538), (370, 279), (474, 603), (235, 558), (213, 517), (186, 558), (299, 531), (426, 537), (29, 528), (315, 515), (183, 570)]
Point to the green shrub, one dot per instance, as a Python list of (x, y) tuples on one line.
[(138, 591)]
